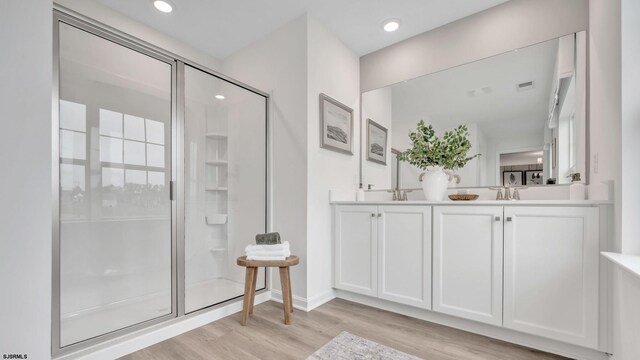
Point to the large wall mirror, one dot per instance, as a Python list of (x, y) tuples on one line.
[(525, 111)]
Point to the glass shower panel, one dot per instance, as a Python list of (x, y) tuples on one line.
[(115, 171), (225, 185)]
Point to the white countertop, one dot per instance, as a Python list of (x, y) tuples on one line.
[(481, 202), (631, 263)]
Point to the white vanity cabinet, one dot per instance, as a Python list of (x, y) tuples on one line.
[(532, 268), (404, 255), (467, 262), (384, 251), (551, 277), (356, 249)]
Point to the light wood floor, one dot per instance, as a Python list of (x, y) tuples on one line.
[(266, 337)]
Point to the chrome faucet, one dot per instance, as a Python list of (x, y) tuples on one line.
[(399, 195), (507, 193)]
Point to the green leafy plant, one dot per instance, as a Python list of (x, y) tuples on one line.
[(450, 152)]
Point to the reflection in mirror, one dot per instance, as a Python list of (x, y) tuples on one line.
[(525, 112)]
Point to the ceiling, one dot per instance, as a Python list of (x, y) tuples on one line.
[(221, 27), (521, 158), (484, 92)]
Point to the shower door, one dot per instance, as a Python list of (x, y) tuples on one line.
[(161, 172), (224, 173), (114, 234)]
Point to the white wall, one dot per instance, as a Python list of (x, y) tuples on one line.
[(25, 185), (630, 125), (333, 69), (626, 315), (277, 64), (512, 25), (125, 24), (623, 32), (377, 106), (604, 99)]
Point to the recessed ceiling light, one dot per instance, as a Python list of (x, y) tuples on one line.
[(391, 25), (220, 97), (163, 5)]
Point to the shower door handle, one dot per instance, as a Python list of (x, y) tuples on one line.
[(171, 190)]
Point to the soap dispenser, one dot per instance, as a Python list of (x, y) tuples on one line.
[(577, 189), (360, 193)]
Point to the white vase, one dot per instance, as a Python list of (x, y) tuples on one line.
[(454, 179), (434, 183)]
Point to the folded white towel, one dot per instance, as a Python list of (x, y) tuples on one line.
[(275, 247), (266, 258), (268, 252), (284, 253)]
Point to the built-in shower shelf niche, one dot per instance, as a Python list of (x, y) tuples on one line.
[(221, 189), (218, 250), (216, 136), (216, 219), (217, 162)]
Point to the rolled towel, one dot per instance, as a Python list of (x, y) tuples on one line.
[(268, 238), (273, 248)]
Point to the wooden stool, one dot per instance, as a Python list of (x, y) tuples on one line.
[(250, 284)]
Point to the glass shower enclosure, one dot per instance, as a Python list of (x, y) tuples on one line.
[(161, 168), (225, 185)]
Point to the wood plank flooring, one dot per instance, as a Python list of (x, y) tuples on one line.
[(266, 337)]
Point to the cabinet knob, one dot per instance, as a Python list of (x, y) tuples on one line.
[(498, 218), (509, 218), (379, 215), (373, 215)]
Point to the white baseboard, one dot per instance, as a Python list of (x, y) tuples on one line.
[(496, 332), (305, 304), (133, 342), (320, 299)]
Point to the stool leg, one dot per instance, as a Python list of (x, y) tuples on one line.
[(253, 289), (284, 283), (290, 296), (248, 279)]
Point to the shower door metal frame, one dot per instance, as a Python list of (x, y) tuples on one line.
[(180, 182), (177, 63)]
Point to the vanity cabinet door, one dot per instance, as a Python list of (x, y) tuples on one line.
[(551, 272), (467, 262), (356, 248), (404, 255)]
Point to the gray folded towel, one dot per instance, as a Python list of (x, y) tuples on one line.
[(268, 239)]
